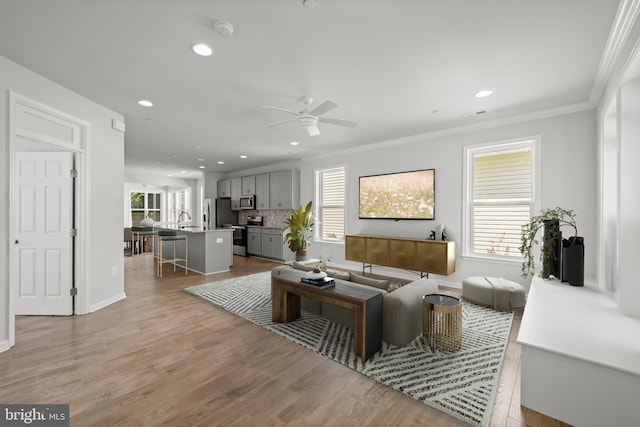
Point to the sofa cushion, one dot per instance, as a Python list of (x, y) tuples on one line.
[(369, 281), (402, 311)]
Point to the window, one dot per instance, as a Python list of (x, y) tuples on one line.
[(500, 195), (329, 221), (178, 202), (145, 205)]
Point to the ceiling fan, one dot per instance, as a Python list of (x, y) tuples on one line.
[(309, 119)]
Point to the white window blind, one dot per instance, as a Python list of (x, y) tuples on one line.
[(330, 209), (501, 198)]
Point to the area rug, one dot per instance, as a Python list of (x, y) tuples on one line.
[(463, 384)]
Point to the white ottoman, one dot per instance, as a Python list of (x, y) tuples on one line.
[(496, 292)]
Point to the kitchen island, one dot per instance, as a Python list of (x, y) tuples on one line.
[(209, 250)]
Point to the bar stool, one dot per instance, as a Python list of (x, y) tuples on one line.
[(171, 236), (140, 234)]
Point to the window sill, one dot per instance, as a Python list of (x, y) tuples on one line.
[(492, 259), (330, 242)]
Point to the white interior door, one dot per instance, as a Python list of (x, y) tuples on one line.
[(43, 255)]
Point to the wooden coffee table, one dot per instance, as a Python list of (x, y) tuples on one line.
[(366, 305)]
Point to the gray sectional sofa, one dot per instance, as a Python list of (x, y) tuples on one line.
[(401, 307)]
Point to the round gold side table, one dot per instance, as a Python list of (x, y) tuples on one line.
[(442, 322)]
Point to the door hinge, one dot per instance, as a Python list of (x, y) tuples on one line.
[(73, 232), (74, 173), (73, 291)]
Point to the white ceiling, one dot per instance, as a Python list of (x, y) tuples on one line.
[(399, 68)]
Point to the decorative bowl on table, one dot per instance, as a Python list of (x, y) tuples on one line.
[(315, 274)]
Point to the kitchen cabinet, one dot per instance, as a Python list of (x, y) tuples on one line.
[(248, 185), (235, 185), (224, 188), (265, 242), (254, 241), (262, 191), (284, 189), (271, 243)]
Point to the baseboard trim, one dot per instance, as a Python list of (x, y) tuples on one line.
[(4, 346), (107, 302)]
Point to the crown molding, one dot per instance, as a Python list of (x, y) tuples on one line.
[(623, 23), (542, 114)]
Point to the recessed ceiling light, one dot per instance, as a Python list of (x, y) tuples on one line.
[(199, 159), (243, 157), (183, 171), (201, 167), (483, 93), (221, 162), (145, 103), (294, 143), (170, 175), (202, 49), (310, 4)]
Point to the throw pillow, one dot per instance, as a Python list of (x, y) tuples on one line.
[(303, 267), (376, 283), (339, 274)]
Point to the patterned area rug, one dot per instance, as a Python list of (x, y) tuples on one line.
[(463, 384)]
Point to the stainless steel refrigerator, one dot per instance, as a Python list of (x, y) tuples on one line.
[(216, 212), (223, 213)]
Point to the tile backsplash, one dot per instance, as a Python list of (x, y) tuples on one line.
[(272, 218)]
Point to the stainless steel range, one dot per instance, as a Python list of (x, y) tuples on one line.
[(239, 240), (240, 234)]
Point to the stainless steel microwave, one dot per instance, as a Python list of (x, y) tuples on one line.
[(248, 202)]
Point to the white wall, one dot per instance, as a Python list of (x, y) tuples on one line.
[(568, 164), (569, 180), (105, 159), (618, 115)]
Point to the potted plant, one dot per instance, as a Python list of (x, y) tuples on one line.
[(298, 230), (563, 259)]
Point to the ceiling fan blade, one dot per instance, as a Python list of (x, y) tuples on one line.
[(323, 108), (280, 109), (313, 131), (280, 123), (347, 123)]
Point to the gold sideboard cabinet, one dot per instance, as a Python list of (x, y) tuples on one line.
[(425, 256)]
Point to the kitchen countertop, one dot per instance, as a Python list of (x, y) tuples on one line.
[(190, 228)]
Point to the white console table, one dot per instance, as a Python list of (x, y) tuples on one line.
[(580, 358)]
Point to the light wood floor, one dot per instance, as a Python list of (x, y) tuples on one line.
[(162, 357)]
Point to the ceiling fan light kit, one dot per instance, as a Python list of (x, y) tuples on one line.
[(309, 119)]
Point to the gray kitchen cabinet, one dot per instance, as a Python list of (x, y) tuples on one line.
[(224, 188), (262, 191), (265, 242), (284, 189), (254, 241), (271, 243), (235, 193), (248, 185)]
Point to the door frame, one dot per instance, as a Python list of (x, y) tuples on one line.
[(78, 144)]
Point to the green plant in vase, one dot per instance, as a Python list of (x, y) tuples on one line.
[(552, 220), (299, 230)]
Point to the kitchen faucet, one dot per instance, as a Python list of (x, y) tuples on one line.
[(183, 213)]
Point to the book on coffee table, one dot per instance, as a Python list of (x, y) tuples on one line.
[(322, 283)]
